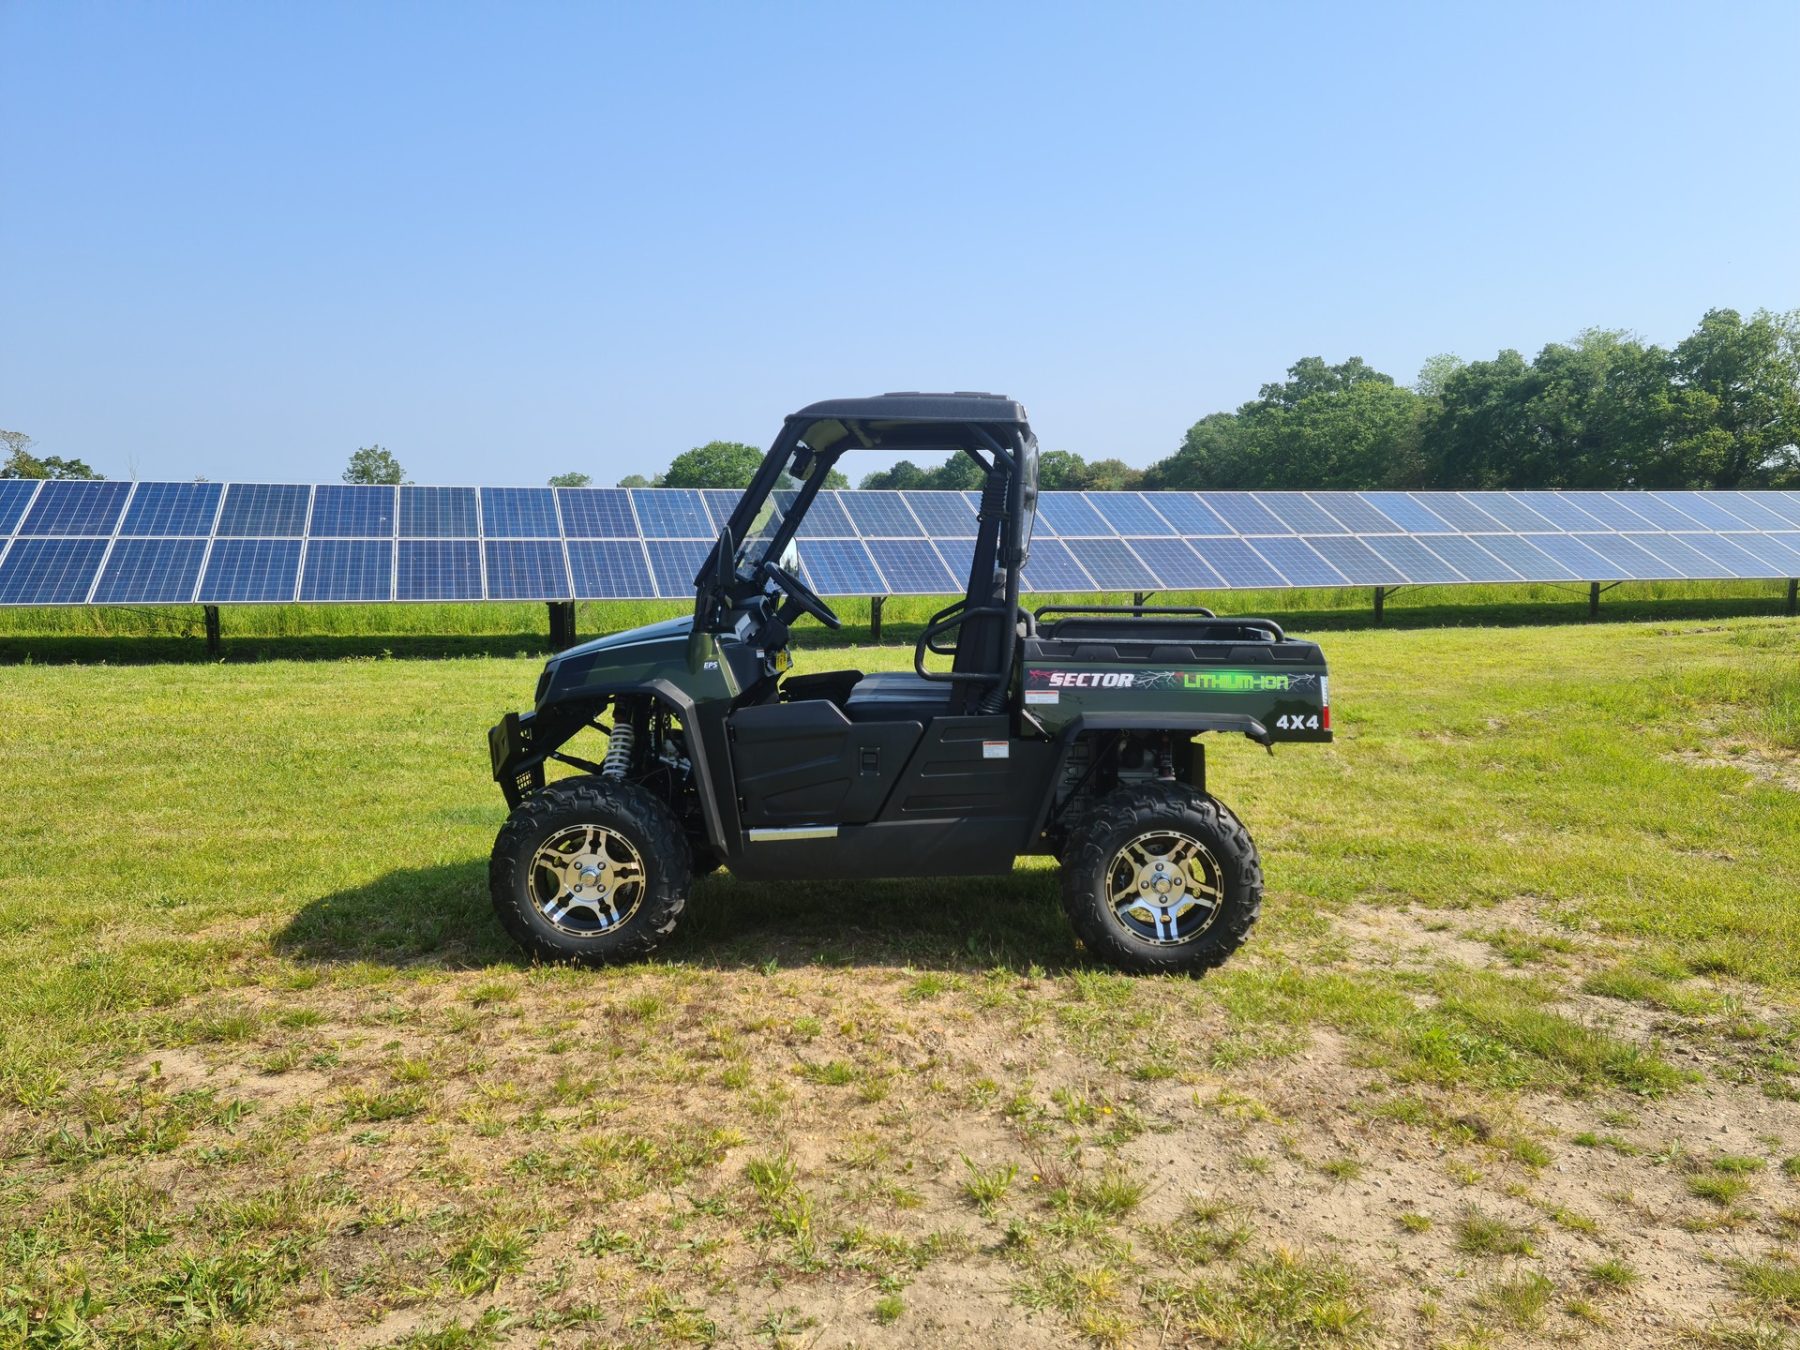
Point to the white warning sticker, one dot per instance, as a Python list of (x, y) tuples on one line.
[(995, 750), (1042, 695)]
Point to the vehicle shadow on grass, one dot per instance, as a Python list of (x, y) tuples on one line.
[(441, 916)]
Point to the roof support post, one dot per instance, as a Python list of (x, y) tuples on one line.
[(875, 604), (562, 624), (212, 629)]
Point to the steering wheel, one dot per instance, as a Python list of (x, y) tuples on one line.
[(800, 593)]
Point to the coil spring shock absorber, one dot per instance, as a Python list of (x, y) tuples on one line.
[(618, 750)]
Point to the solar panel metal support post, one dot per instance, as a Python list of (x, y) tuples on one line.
[(1793, 596), (1380, 600), (212, 629), (1140, 598), (875, 604), (1593, 599), (562, 624)]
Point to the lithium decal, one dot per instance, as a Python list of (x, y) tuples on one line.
[(1199, 681), (995, 750)]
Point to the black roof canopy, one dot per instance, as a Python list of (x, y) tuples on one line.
[(901, 421)]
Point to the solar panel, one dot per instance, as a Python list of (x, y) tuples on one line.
[(438, 569), (1561, 511), (1417, 563), (1188, 515), (49, 571), (1068, 515), (1659, 513), (720, 502), (519, 513), (15, 497), (1127, 513), (824, 519), (151, 572), (1462, 514), (1785, 505), (438, 513), (1299, 513), (1506, 508), (1353, 511), (1723, 552), (912, 567), (1531, 562), (945, 515), (1176, 565), (677, 513), (1298, 564), (1237, 563), (1613, 514), (525, 569), (1585, 564), (264, 509), (348, 569), (1636, 562), (840, 567), (1675, 557), (1357, 561), (1243, 513), (674, 564), (353, 510), (172, 509), (1051, 567), (958, 556), (610, 569), (1461, 552), (597, 513), (1407, 512), (880, 515), (1774, 558), (1112, 565), (1743, 505), (76, 506), (250, 571)]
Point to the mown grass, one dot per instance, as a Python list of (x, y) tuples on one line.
[(268, 1070)]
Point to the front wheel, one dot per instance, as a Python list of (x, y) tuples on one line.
[(590, 871), (1161, 878)]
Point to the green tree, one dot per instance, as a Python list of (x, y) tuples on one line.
[(717, 464), (373, 464), (1733, 401), (1062, 471), (21, 463), (904, 474), (571, 480), (632, 480), (1114, 475)]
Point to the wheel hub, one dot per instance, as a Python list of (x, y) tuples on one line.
[(586, 879), (1165, 887)]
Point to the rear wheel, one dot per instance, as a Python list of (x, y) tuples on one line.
[(1162, 878), (590, 870)]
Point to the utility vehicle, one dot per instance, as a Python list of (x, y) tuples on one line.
[(1070, 731)]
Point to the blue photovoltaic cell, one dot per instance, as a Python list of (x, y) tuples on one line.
[(1561, 511), (1633, 560), (824, 519), (1724, 553), (1127, 513), (1705, 510), (518, 513), (1298, 564), (250, 571), (1613, 514), (1746, 508), (1357, 561), (1531, 563), (945, 515), (1784, 505), (610, 569), (264, 509), (666, 514), (1176, 565), (1677, 557), (1051, 567), (881, 515), (1418, 564), (1659, 513), (721, 502), (596, 513), (348, 569), (1465, 555), (1586, 564), (15, 496), (438, 513), (1188, 515), (674, 563), (1244, 513), (1462, 514), (349, 510), (1300, 513), (840, 567), (1789, 539), (439, 569), (172, 508), (1067, 514), (1506, 508), (1235, 561), (76, 506), (1408, 513), (525, 569), (1112, 565), (1773, 557), (912, 567), (1355, 512), (958, 556), (49, 571), (150, 572)]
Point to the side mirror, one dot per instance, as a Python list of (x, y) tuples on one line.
[(802, 466), (724, 562)]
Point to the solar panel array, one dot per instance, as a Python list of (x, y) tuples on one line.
[(104, 542)]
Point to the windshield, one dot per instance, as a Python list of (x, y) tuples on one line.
[(771, 511)]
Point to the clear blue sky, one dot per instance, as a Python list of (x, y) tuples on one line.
[(506, 240)]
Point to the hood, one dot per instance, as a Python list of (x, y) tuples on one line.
[(669, 630)]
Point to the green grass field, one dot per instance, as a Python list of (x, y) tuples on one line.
[(1511, 1056)]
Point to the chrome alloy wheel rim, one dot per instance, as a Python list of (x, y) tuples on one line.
[(586, 879), (1165, 888)]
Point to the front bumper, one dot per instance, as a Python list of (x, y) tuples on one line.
[(517, 762)]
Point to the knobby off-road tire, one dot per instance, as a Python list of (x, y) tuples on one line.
[(612, 839), (1101, 873)]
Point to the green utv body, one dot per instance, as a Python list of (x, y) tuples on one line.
[(1072, 731)]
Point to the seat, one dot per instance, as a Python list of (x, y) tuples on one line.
[(897, 696)]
